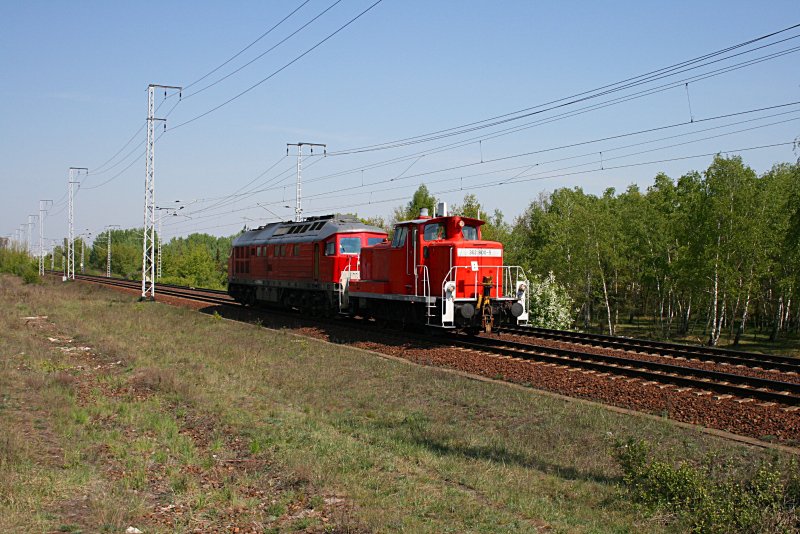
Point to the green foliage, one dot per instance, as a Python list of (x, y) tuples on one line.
[(421, 199), (550, 305), (705, 497), (495, 229), (375, 221), (716, 249), (19, 263), (198, 260), (126, 253)]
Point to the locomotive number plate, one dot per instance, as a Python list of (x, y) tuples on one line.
[(479, 253)]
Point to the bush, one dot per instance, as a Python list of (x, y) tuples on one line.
[(550, 306), (711, 500), (18, 263)]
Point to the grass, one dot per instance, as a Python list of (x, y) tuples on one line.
[(204, 423)]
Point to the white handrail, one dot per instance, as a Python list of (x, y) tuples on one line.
[(508, 281)]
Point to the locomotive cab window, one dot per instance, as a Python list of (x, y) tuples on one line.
[(350, 245), (400, 236), (330, 248), (375, 240), (435, 232), (470, 233)]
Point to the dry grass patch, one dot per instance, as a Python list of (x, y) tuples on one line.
[(220, 425)]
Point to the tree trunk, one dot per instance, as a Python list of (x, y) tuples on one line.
[(605, 293), (777, 320), (712, 338), (587, 318)]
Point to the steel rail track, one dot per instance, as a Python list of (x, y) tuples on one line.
[(171, 290), (675, 350), (700, 379)]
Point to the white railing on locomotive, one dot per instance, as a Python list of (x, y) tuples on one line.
[(350, 258), (426, 281), (515, 287), (346, 275), (512, 276)]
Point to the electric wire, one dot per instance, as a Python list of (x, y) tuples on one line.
[(325, 209), (328, 209), (349, 190), (649, 76), (281, 69), (246, 48), (136, 159), (561, 147), (625, 98), (301, 28)]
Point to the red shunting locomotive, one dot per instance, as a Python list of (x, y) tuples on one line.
[(435, 271)]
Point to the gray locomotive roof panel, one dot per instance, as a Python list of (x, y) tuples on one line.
[(303, 232)]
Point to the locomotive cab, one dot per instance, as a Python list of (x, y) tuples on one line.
[(439, 271)]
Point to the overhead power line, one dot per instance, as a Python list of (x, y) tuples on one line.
[(334, 208), (600, 168), (246, 48), (567, 114), (100, 169), (281, 69), (663, 72), (350, 190), (270, 49), (416, 157)]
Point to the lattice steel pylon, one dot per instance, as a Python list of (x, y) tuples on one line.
[(42, 214), (31, 218), (108, 249), (108, 255), (298, 209), (149, 238), (73, 172)]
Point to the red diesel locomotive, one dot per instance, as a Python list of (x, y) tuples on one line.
[(436, 271), (298, 264)]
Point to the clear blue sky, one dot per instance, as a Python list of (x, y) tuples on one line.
[(75, 74)]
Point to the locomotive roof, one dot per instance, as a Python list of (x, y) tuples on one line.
[(467, 220), (311, 229)]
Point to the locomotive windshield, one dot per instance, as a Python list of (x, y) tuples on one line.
[(470, 233), (399, 238), (350, 245), (435, 232), (375, 240)]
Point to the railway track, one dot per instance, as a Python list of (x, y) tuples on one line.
[(702, 381), (211, 296), (660, 348)]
